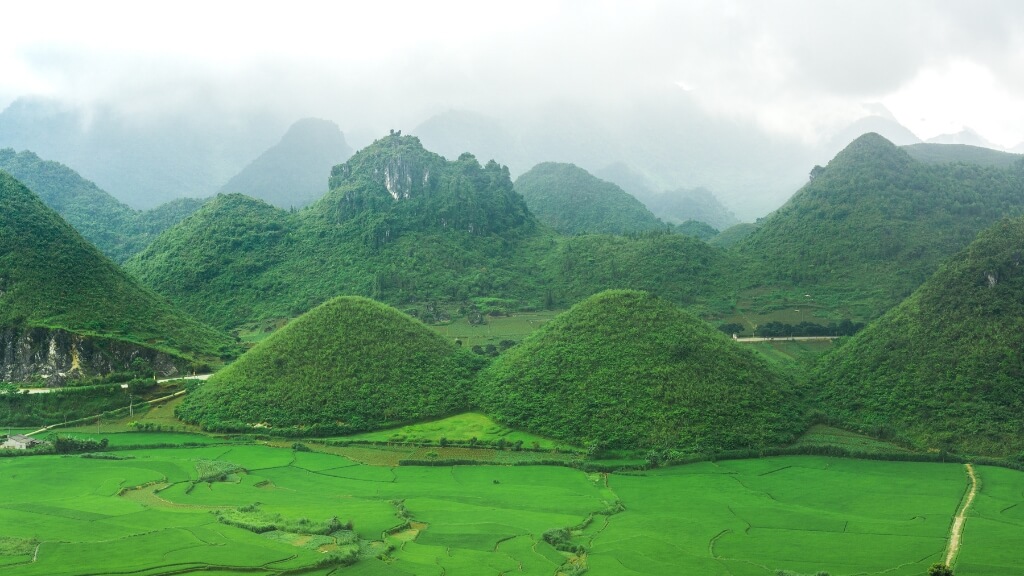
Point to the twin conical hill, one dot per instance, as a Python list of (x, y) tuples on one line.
[(624, 369), (875, 223), (51, 277), (350, 364), (572, 201), (945, 368)]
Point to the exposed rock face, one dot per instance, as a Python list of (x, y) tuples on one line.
[(57, 355)]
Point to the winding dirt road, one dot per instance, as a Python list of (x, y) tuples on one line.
[(957, 529)]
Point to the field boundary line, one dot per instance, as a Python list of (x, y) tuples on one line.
[(957, 529)]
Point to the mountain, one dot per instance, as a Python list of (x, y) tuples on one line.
[(405, 226), (967, 136), (350, 364), (624, 369), (141, 157), (211, 263), (874, 224), (572, 201), (117, 230), (291, 174), (950, 153), (944, 368), (51, 278)]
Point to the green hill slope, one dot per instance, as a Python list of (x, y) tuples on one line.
[(350, 364), (572, 201), (117, 230), (874, 224), (627, 370), (51, 277), (292, 173), (405, 226), (945, 368)]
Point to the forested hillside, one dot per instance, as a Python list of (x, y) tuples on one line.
[(572, 201), (117, 230), (875, 223), (945, 368), (405, 226), (624, 369), (350, 364), (51, 277)]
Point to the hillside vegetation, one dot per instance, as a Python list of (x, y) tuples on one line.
[(405, 226), (51, 277), (572, 201), (117, 230), (624, 369), (944, 368), (351, 364), (874, 224)]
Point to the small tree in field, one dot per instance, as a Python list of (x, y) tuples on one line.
[(940, 569)]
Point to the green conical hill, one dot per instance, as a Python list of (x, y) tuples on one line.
[(572, 201), (51, 277), (875, 224), (349, 364), (945, 368), (215, 262), (625, 369)]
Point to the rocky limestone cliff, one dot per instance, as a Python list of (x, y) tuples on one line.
[(30, 354)]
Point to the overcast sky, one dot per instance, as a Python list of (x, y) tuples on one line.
[(802, 68)]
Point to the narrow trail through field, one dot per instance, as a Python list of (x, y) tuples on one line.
[(957, 529)]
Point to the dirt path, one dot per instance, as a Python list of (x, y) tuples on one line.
[(958, 522)]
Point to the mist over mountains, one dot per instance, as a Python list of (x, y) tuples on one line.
[(663, 140)]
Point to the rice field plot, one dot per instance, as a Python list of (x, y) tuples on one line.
[(805, 514), (153, 514), (993, 530)]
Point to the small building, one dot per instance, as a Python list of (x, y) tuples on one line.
[(20, 442)]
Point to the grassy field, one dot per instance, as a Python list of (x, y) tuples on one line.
[(459, 428), (497, 328), (253, 509)]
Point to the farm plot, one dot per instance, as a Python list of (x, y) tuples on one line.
[(249, 509), (805, 514), (994, 530)]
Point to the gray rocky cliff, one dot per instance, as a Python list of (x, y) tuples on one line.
[(30, 354)]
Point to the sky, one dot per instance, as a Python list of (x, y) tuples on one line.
[(797, 68)]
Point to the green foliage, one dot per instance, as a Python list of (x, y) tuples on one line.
[(961, 153), (69, 445), (944, 367), (351, 364), (71, 403), (117, 230), (51, 277), (572, 201), (456, 236), (876, 223), (627, 370), (939, 569), (254, 519)]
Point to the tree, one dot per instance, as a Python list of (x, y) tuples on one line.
[(940, 569)]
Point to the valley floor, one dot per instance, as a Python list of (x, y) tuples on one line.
[(231, 508)]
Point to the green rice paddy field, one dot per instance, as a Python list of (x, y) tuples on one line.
[(254, 509)]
